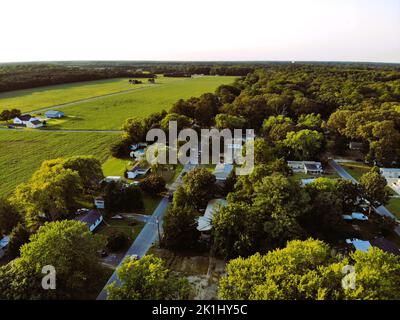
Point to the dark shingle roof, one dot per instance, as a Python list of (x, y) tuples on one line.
[(89, 218), (385, 245), (25, 117)]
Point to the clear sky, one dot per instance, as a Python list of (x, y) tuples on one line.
[(344, 30)]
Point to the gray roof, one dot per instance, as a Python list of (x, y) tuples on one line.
[(310, 166), (386, 245), (89, 218)]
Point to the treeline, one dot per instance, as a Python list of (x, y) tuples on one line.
[(15, 77)]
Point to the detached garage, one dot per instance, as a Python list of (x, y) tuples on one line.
[(53, 114)]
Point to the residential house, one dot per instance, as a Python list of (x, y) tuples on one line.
[(23, 119), (390, 173), (222, 171), (34, 124), (308, 167), (54, 114), (92, 219), (137, 171), (3, 245), (204, 223), (386, 246)]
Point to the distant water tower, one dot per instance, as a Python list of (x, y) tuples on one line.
[(293, 62)]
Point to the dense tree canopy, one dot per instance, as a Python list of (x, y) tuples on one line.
[(306, 270), (66, 245), (147, 279)]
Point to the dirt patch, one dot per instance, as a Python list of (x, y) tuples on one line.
[(203, 272)]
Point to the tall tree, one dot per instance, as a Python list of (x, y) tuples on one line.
[(70, 248), (147, 279), (9, 216), (373, 187)]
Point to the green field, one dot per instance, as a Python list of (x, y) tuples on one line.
[(109, 113), (44, 97), (22, 152)]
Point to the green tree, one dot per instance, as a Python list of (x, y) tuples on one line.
[(275, 128), (147, 279), (180, 228), (227, 93), (227, 121), (135, 130), (305, 144), (373, 188), (153, 184), (182, 121), (70, 248), (199, 187), (52, 191), (18, 237), (119, 198), (9, 217), (309, 270)]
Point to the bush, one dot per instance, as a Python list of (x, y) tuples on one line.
[(117, 241), (153, 184)]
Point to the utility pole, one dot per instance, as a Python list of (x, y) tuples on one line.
[(159, 233)]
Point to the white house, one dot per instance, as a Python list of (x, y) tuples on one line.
[(137, 171), (3, 245), (24, 119), (92, 219), (308, 167), (204, 223), (34, 124), (222, 171), (390, 173)]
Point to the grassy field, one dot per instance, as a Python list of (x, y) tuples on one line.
[(116, 167), (110, 112), (22, 152), (356, 169), (43, 97)]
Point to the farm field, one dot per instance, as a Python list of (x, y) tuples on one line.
[(109, 113), (22, 152), (44, 97)]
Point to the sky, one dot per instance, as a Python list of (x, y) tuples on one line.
[(299, 30)]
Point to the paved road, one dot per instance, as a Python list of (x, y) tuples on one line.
[(150, 232), (146, 238), (345, 175)]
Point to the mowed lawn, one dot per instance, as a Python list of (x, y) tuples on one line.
[(44, 97), (109, 113), (22, 152)]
